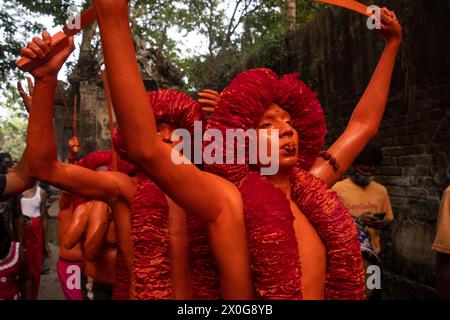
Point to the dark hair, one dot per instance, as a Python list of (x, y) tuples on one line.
[(371, 155), (5, 239), (4, 155)]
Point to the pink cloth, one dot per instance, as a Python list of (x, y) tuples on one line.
[(69, 274)]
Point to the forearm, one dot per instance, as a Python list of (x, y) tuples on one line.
[(97, 231), (369, 110), (122, 218), (79, 225), (18, 180), (129, 97), (364, 121), (228, 236), (41, 148)]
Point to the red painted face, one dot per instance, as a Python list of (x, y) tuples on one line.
[(278, 118)]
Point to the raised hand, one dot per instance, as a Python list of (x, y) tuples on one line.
[(391, 30), (209, 99), (40, 48), (27, 97)]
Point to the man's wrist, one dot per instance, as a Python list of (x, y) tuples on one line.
[(47, 79), (393, 44)]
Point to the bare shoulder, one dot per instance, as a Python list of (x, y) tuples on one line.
[(229, 189), (232, 200)]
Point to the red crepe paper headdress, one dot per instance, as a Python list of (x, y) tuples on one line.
[(169, 106), (175, 108), (100, 158), (250, 94)]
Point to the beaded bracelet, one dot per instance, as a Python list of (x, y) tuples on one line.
[(331, 160)]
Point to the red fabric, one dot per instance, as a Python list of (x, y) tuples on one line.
[(9, 272), (204, 272), (95, 159), (32, 237), (121, 289), (175, 108), (69, 274), (273, 245), (100, 158), (150, 236), (336, 228), (273, 248), (244, 102)]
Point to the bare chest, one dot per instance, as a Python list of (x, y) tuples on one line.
[(312, 254)]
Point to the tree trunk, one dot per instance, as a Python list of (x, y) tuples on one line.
[(290, 7)]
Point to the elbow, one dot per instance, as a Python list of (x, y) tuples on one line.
[(143, 155), (69, 244), (365, 132), (42, 172), (90, 254), (371, 132)]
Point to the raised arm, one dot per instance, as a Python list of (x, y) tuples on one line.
[(204, 196), (214, 200), (366, 117), (19, 179), (41, 148)]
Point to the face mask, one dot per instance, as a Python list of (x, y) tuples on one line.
[(361, 180)]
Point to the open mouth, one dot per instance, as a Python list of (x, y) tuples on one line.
[(289, 148)]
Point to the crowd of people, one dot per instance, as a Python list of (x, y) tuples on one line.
[(133, 224)]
